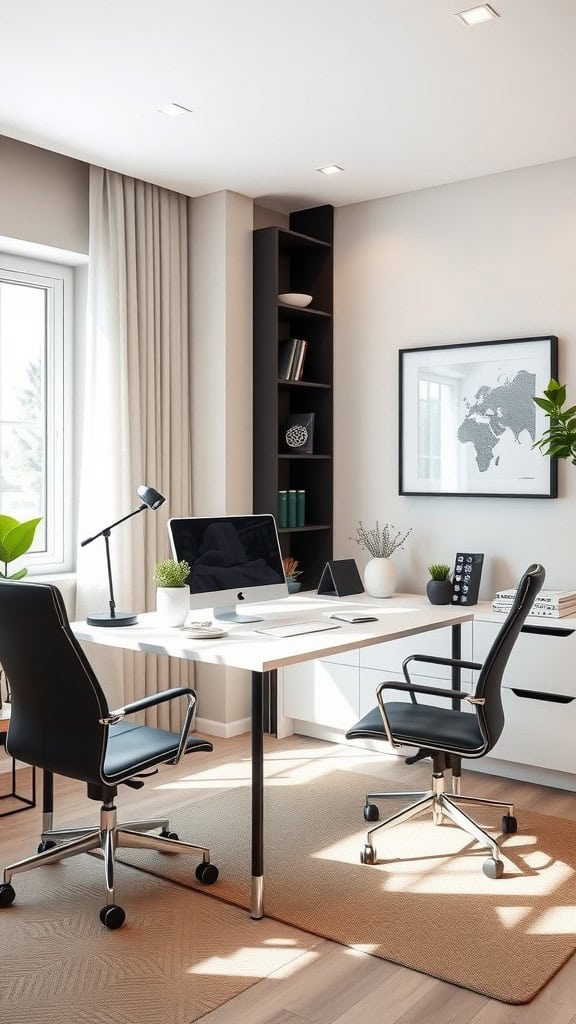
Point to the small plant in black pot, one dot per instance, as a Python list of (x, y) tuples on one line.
[(439, 586)]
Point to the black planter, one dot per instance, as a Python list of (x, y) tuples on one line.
[(439, 591)]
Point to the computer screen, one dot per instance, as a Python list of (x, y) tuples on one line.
[(233, 560)]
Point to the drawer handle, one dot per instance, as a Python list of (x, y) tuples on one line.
[(554, 698), (542, 631)]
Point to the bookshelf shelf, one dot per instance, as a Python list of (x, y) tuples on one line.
[(295, 259)]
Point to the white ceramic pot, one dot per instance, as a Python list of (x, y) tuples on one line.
[(173, 605), (379, 577)]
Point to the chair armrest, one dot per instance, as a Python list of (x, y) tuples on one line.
[(412, 689), (152, 701), (432, 691), (432, 659), (147, 702)]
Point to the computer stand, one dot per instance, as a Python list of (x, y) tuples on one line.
[(228, 613)]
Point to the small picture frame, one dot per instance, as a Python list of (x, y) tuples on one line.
[(298, 433), (466, 578)]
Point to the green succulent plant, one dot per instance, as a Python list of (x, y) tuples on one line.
[(439, 571), (16, 539), (170, 573)]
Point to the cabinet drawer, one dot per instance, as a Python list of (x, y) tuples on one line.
[(388, 657), (543, 659), (537, 732), (323, 693)]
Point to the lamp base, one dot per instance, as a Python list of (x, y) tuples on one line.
[(118, 619)]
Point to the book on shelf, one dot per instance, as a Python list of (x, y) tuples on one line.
[(542, 610), (291, 355), (556, 598)]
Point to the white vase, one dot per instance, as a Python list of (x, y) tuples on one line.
[(380, 577), (173, 605)]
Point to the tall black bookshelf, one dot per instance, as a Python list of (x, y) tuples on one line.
[(298, 259)]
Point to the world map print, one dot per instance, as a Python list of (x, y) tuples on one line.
[(493, 411)]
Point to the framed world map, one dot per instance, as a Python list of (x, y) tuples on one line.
[(468, 421)]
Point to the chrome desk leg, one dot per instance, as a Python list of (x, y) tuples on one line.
[(257, 894)]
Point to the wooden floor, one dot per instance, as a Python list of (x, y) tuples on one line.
[(333, 984)]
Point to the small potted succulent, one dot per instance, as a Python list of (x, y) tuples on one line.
[(172, 593), (291, 572), (439, 586)]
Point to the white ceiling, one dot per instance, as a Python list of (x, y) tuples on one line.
[(398, 92)]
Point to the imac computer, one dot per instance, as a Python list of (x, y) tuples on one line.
[(234, 560)]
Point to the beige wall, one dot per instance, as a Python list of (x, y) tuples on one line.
[(487, 259), (43, 196)]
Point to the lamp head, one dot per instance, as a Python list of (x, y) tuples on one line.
[(152, 498)]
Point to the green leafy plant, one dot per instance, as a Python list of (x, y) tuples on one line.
[(380, 541), (16, 539), (291, 570), (439, 571), (170, 573), (560, 438)]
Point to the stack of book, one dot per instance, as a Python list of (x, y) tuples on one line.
[(551, 603), (291, 359)]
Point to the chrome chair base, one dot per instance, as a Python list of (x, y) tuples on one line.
[(441, 806), (107, 839)]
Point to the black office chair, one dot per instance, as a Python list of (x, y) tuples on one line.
[(60, 722), (448, 735)]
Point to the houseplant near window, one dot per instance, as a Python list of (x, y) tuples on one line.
[(381, 542), (172, 593), (16, 539), (439, 586), (291, 572)]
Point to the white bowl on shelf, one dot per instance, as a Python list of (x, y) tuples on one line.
[(295, 299)]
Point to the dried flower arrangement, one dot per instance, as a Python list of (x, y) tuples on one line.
[(380, 541), (291, 570)]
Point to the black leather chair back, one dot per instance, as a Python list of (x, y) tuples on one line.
[(57, 700), (491, 714)]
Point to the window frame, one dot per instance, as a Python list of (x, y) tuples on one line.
[(58, 282)]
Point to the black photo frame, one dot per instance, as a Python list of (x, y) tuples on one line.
[(298, 433), (468, 423)]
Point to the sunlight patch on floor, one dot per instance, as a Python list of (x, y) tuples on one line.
[(254, 962), (511, 916), (555, 921)]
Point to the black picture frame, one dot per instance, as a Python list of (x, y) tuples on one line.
[(467, 422)]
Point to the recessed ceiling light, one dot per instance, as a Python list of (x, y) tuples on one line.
[(330, 169), (174, 110), (476, 15)]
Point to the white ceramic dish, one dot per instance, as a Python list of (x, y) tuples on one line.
[(295, 299)]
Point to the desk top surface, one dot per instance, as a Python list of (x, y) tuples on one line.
[(398, 616)]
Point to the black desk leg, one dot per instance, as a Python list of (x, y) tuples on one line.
[(456, 670), (259, 681), (47, 801)]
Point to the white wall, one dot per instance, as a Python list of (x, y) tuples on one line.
[(486, 259)]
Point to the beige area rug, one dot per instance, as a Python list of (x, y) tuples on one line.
[(427, 905), (179, 955)]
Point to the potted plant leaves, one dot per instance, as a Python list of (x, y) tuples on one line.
[(172, 593), (439, 586), (291, 572)]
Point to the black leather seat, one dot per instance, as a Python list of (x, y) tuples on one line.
[(448, 735), (60, 722)]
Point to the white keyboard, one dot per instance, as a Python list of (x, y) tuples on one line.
[(297, 628)]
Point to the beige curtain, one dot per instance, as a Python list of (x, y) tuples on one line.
[(136, 404)]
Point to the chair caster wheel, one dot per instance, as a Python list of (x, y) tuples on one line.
[(493, 868), (509, 823), (7, 894), (167, 834), (112, 916), (371, 812), (207, 873), (46, 844), (368, 855)]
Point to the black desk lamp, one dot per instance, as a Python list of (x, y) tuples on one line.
[(150, 499)]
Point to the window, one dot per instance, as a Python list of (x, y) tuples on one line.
[(35, 405)]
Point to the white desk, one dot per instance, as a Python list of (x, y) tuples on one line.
[(397, 617)]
